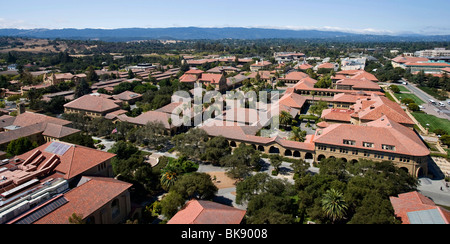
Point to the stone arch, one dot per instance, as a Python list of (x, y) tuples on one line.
[(354, 161), (309, 156), (405, 169), (297, 154), (420, 172), (321, 157), (233, 144), (288, 153), (254, 146), (261, 148), (344, 159), (274, 150)]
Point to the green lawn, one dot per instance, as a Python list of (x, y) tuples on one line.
[(432, 92), (433, 121), (403, 89), (401, 96)]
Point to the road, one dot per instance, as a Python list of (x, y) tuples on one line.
[(433, 109)]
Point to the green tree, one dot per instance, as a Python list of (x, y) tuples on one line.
[(334, 205), (80, 139), (243, 160), (285, 118), (195, 185), (216, 149), (91, 76), (394, 88), (20, 146), (276, 160), (297, 134), (82, 89), (123, 150), (171, 203), (191, 144)]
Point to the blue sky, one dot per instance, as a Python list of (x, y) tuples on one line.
[(375, 16)]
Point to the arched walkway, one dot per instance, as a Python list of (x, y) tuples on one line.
[(321, 157), (288, 153), (308, 156), (274, 150), (297, 154), (260, 148), (233, 144), (405, 169)]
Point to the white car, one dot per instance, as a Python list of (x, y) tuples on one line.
[(421, 107)]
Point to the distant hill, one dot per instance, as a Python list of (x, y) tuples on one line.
[(195, 33)]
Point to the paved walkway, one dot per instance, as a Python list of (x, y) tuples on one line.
[(437, 190)]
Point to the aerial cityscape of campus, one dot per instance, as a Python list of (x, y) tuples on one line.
[(263, 116)]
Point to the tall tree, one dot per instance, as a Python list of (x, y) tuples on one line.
[(82, 89), (334, 205)]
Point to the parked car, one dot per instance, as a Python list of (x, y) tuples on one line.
[(441, 104), (432, 101), (421, 107)]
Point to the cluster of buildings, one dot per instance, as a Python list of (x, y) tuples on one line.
[(56, 180), (436, 61)]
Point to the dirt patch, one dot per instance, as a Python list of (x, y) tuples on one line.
[(222, 180)]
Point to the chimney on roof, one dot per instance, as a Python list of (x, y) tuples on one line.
[(20, 108)]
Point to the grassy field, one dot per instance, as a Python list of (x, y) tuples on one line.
[(433, 92), (403, 89), (433, 121), (401, 96)]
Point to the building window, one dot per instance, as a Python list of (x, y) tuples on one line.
[(322, 147), (366, 154), (367, 144), (349, 142), (343, 150), (388, 147)]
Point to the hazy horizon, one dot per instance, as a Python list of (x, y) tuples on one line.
[(362, 17)]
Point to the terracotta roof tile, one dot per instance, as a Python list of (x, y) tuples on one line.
[(379, 132), (86, 199), (76, 160), (93, 103), (207, 212), (412, 202)]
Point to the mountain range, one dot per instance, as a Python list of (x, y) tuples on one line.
[(196, 33)]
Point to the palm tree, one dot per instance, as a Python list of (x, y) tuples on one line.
[(334, 205), (168, 179), (285, 118)]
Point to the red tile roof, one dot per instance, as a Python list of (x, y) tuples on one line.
[(297, 76), (207, 212), (361, 84), (401, 59), (372, 108), (342, 115), (93, 103), (415, 201), (76, 160), (379, 132), (326, 66), (86, 199)]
